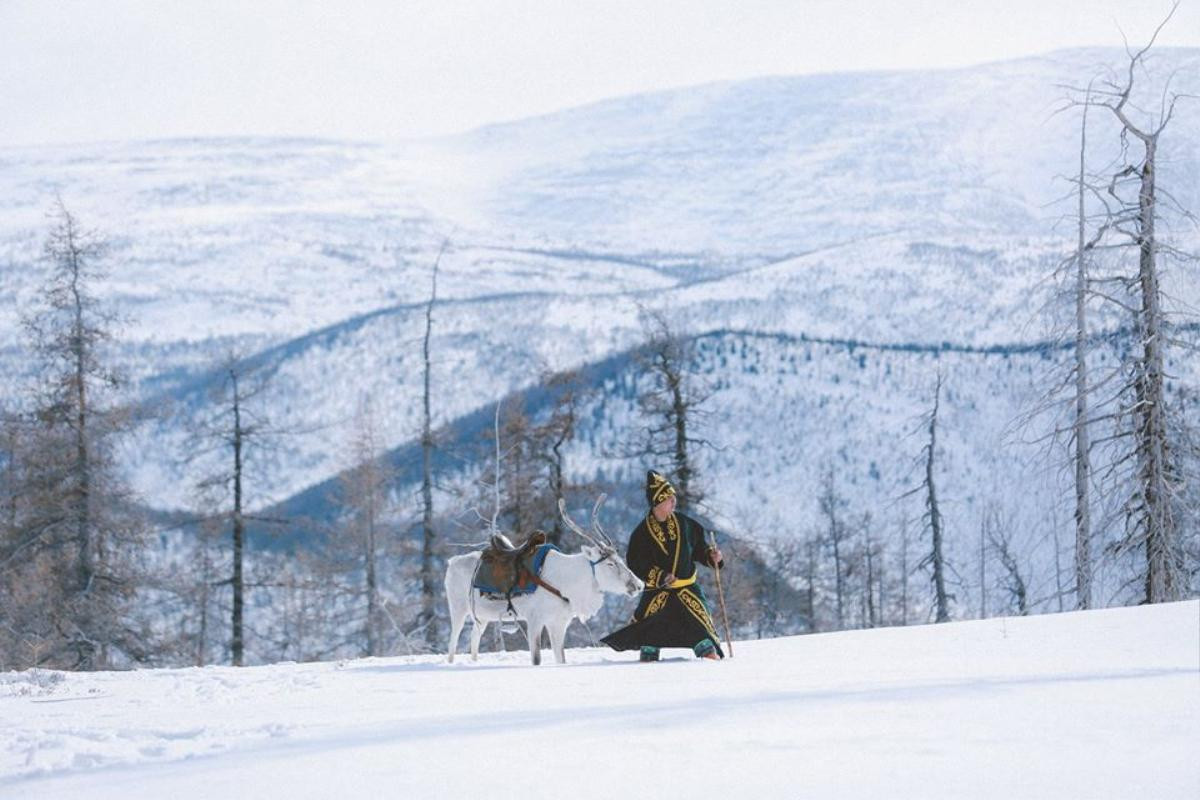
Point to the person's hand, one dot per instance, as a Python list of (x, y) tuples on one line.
[(714, 555), (667, 580)]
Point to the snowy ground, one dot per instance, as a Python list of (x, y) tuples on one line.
[(1102, 704)]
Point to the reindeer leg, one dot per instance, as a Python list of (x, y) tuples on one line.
[(558, 638), (456, 626), (477, 628), (533, 629)]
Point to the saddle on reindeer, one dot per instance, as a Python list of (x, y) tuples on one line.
[(506, 569)]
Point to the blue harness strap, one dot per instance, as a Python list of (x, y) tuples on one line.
[(539, 557)]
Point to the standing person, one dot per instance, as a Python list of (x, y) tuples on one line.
[(663, 551)]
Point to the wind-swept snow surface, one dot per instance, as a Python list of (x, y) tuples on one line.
[(1099, 704)]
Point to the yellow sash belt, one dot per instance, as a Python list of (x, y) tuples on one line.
[(679, 583)]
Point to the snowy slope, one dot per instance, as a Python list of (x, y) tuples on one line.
[(785, 164), (277, 237), (1099, 704), (901, 209)]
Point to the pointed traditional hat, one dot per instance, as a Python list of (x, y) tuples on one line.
[(658, 488)]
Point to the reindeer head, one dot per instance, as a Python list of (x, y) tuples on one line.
[(612, 574)]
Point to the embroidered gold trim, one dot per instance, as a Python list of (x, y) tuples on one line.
[(656, 605), (656, 533), (660, 488), (653, 576), (673, 533), (696, 606)]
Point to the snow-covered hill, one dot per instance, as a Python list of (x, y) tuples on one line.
[(274, 238), (901, 210), (1088, 704)]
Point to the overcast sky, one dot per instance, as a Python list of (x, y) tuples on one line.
[(86, 70)]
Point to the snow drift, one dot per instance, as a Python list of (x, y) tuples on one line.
[(1089, 704)]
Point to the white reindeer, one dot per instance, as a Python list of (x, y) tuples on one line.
[(582, 578)]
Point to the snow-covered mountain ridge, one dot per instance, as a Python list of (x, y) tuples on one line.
[(904, 209), (276, 237), (1096, 704), (784, 411)]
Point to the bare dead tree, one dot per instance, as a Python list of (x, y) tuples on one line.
[(206, 579), (832, 506), (556, 433), (811, 562), (187, 582), (531, 455), (518, 498), (1083, 526), (775, 593), (1073, 391), (982, 569), (1014, 580), (673, 405), (1058, 584), (428, 535), (883, 581), (495, 526), (1120, 414), (527, 504), (234, 428), (12, 461), (1132, 199), (1153, 524), (904, 571), (870, 559), (1187, 449), (935, 560), (365, 496)]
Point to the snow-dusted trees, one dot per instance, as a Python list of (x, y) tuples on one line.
[(759, 582), (201, 583), (526, 503), (530, 474), (833, 508), (867, 566), (11, 464), (365, 491), (848, 572), (672, 405), (29, 557), (779, 608), (69, 558), (1125, 412)]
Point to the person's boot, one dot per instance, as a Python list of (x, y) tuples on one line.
[(648, 654)]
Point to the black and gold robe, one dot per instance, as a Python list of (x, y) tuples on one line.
[(667, 616)]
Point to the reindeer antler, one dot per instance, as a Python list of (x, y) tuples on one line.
[(596, 520), (562, 510)]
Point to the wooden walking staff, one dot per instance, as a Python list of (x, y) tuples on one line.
[(721, 596)]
